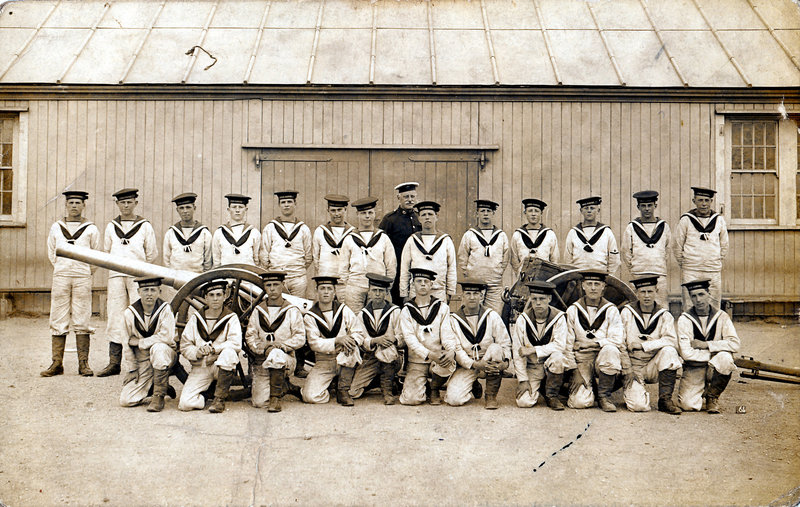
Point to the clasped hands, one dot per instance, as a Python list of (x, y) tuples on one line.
[(346, 344)]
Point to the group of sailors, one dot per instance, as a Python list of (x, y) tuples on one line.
[(382, 294)]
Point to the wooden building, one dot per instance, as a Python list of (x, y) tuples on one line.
[(554, 99)]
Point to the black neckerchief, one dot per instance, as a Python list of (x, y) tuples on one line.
[(328, 235), (704, 333), (287, 237), (197, 230), (533, 244), (270, 327), (583, 316), (589, 243), (139, 317), (553, 315), (72, 238), (704, 231), (437, 242), (359, 241), (227, 232), (125, 237), (474, 337), (641, 233), (638, 317), (211, 335), (416, 313), (379, 328), (486, 244), (322, 322)]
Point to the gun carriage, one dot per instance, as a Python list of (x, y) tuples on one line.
[(244, 292)]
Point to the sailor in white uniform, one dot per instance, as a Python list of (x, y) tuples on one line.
[(646, 243), (533, 239), (591, 244), (236, 242), (328, 240)]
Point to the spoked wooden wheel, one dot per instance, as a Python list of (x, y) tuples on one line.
[(244, 294), (568, 289)]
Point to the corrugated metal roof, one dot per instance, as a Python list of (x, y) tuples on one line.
[(648, 43)]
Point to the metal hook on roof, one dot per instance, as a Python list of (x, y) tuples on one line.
[(201, 48)]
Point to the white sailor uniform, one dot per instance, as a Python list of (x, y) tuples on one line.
[(484, 254), (157, 347), (326, 250), (645, 248), (126, 239), (286, 246), (364, 252), (701, 244), (592, 248), (235, 244), (434, 252), (384, 322), (540, 243)]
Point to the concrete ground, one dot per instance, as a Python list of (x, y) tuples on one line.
[(65, 440)]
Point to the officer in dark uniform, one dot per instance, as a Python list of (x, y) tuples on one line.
[(399, 225)]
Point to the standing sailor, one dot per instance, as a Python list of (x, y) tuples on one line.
[(71, 296), (701, 244), (539, 341), (428, 249), (328, 240), (211, 342), (366, 250), (286, 245), (533, 239), (591, 244), (426, 329), (187, 243), (707, 342), (274, 332), (483, 254), (149, 347), (236, 242), (334, 334), (483, 347), (645, 243), (599, 345), (380, 319), (127, 236), (652, 346), (399, 225)]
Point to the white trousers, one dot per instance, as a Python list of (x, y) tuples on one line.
[(607, 361), (715, 288), (537, 372), (693, 382), (296, 285), (355, 296), (319, 378), (494, 298), (459, 388), (70, 304), (415, 383), (200, 377), (122, 292), (160, 357), (645, 366)]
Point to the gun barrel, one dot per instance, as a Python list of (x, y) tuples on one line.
[(752, 364), (173, 277)]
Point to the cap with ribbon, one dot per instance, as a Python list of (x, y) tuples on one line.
[(646, 196), (703, 191), (323, 279), (365, 204), (536, 203), (75, 194), (149, 281), (126, 193), (594, 200), (237, 199), (423, 273), (286, 194), (379, 280), (427, 205), (185, 198), (704, 284), (337, 200)]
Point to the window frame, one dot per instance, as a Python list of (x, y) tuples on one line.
[(19, 164), (786, 169)]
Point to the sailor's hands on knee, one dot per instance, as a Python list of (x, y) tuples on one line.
[(699, 344), (479, 366), (131, 376), (527, 351), (382, 341), (584, 344), (523, 387), (346, 344), (496, 367), (637, 345), (133, 341)]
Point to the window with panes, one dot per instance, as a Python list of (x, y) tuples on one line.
[(6, 164), (754, 169)]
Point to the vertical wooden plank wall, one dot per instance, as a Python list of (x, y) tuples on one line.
[(559, 151)]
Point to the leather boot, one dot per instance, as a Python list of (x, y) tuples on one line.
[(343, 387), (388, 371), (82, 343), (477, 389), (605, 385), (276, 380), (436, 384), (224, 379), (114, 359), (57, 366), (180, 372), (666, 385), (552, 387), (160, 383), (300, 355), (492, 386), (717, 384)]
